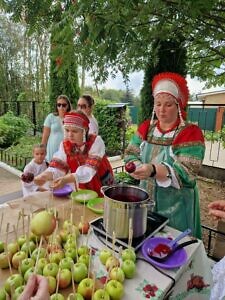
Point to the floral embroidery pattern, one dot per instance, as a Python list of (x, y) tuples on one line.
[(149, 291), (197, 282)]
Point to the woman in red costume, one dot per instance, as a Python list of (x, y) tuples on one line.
[(80, 159), (168, 153)]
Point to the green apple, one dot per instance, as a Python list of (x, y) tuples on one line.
[(42, 253), (2, 246), (75, 296), (115, 289), (56, 256), (72, 253), (80, 271), (83, 227), (43, 223), (17, 293), (101, 294), (51, 284), (51, 269), (42, 262), (57, 296), (3, 294), (83, 250), (17, 258), (85, 287), (28, 247), (13, 282), (104, 255), (66, 263), (21, 240), (112, 262), (128, 253), (26, 264), (31, 271), (84, 258), (13, 247), (64, 235), (64, 278), (129, 268), (4, 260), (117, 273), (33, 237), (70, 243), (67, 224)]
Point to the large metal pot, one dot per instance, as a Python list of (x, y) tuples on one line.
[(125, 205)]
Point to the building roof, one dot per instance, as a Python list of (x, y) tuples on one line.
[(202, 95)]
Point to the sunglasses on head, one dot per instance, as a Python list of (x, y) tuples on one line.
[(61, 104), (82, 106)]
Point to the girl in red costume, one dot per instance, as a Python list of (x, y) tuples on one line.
[(168, 153), (81, 158)]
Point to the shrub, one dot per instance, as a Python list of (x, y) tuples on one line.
[(12, 128)]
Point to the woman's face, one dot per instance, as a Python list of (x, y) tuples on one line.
[(74, 134), (166, 108), (62, 106), (82, 104)]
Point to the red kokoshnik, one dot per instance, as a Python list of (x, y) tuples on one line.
[(173, 84)]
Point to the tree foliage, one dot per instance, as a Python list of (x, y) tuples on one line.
[(171, 57), (118, 34)]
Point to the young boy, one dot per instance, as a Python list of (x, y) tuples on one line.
[(34, 168)]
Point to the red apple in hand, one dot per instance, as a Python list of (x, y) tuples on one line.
[(130, 167), (27, 177), (43, 223)]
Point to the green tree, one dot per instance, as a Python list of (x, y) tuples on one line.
[(171, 57)]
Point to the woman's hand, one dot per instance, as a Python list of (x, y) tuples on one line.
[(36, 288), (142, 172), (61, 181), (43, 178), (40, 180), (217, 209)]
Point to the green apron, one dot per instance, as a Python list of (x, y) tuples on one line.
[(181, 206)]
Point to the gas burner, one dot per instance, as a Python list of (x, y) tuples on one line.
[(155, 222)]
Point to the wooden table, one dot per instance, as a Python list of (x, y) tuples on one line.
[(148, 279)]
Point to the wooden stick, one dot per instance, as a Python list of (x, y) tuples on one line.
[(39, 250), (130, 237), (89, 263), (113, 242), (73, 284), (57, 279), (1, 222), (22, 213)]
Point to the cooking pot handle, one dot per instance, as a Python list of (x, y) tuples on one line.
[(148, 205)]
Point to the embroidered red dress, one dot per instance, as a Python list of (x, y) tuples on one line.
[(88, 162)]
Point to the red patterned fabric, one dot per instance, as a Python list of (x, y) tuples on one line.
[(59, 164), (76, 158), (76, 119), (189, 134)]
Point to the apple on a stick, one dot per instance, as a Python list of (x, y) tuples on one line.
[(43, 223)]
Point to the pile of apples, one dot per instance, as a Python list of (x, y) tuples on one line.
[(58, 255)]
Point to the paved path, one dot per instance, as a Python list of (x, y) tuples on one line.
[(10, 185)]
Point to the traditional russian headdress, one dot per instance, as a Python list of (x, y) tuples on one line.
[(77, 119), (175, 85)]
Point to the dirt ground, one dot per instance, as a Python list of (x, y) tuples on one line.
[(209, 190)]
